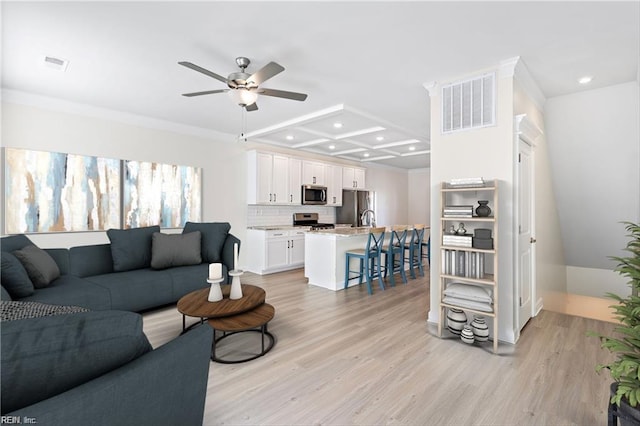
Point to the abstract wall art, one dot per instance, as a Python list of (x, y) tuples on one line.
[(57, 192), (161, 194)]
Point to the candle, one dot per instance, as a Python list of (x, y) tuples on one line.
[(235, 256), (215, 271)]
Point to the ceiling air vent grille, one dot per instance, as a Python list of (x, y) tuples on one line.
[(469, 104)]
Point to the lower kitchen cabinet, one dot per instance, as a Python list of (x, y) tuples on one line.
[(270, 251)]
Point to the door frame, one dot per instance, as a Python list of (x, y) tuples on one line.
[(528, 132)]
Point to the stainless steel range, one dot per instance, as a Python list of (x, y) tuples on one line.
[(310, 219)]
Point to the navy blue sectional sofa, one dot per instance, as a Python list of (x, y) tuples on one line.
[(92, 364)]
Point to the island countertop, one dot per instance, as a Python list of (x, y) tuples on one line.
[(343, 232)]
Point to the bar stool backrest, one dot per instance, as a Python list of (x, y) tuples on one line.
[(398, 236), (375, 241), (417, 236)]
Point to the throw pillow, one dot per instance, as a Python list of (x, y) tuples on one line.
[(169, 250), (40, 266), (14, 277), (131, 248), (213, 236)]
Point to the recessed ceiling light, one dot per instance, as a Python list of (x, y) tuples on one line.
[(289, 137), (332, 147), (585, 80), (379, 138), (366, 154), (412, 148), (337, 125)]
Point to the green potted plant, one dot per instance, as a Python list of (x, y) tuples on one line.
[(625, 343)]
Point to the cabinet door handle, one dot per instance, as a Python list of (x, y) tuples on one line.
[(291, 243), (271, 198), (274, 197), (314, 179), (291, 196), (288, 243)]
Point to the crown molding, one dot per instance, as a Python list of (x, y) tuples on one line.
[(59, 105)]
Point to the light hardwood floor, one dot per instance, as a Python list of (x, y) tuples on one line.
[(346, 358)]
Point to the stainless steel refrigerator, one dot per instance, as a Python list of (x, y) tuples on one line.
[(354, 203)]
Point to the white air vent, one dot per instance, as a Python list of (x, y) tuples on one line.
[(56, 63), (469, 104)]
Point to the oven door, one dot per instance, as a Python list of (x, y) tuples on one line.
[(313, 194)]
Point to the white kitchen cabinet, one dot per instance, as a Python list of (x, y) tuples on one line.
[(295, 181), (270, 177), (334, 185), (275, 250), (353, 178), (313, 173)]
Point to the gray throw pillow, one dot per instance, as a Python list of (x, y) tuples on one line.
[(169, 250), (214, 235), (131, 248), (14, 277), (40, 266)]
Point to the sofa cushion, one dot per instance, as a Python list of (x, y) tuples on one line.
[(70, 290), (136, 290), (40, 266), (4, 294), (43, 357), (213, 236), (14, 277), (90, 260), (185, 279), (131, 248), (14, 242), (168, 250)]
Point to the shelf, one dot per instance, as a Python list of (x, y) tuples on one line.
[(475, 311), (488, 280), (469, 218), (469, 189), (470, 249)]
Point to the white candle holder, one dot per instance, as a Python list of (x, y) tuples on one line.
[(215, 292), (236, 287)]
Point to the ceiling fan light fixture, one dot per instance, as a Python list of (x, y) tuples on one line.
[(243, 97)]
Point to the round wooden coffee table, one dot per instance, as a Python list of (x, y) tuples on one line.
[(247, 314), (195, 304), (255, 320)]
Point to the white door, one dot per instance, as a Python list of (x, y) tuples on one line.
[(525, 233), (280, 183), (295, 181), (296, 250), (277, 252), (264, 194)]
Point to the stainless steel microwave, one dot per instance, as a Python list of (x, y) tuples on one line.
[(314, 194)]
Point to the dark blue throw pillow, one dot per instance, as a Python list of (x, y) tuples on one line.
[(14, 277), (131, 248), (213, 236)]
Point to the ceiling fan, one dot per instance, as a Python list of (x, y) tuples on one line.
[(244, 88)]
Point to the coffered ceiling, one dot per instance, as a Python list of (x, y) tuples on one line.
[(361, 63)]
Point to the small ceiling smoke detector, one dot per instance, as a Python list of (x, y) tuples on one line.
[(56, 63)]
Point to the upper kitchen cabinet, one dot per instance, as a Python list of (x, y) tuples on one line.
[(353, 178), (271, 177), (334, 185), (313, 173)]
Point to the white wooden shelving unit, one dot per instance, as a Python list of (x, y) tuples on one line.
[(451, 195)]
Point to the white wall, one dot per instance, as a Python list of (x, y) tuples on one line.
[(487, 153), (392, 194), (223, 161), (419, 196), (594, 144)]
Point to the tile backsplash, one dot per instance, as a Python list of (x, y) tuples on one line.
[(283, 215)]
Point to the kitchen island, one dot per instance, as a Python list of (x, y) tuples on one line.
[(324, 255)]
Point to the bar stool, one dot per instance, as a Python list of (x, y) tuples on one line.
[(426, 249), (395, 247), (367, 257), (415, 249)]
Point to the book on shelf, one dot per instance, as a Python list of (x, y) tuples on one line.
[(463, 264)]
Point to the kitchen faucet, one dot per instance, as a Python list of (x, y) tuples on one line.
[(365, 214)]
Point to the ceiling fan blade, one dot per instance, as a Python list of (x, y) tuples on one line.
[(252, 107), (206, 92), (283, 94), (265, 73), (203, 71)]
